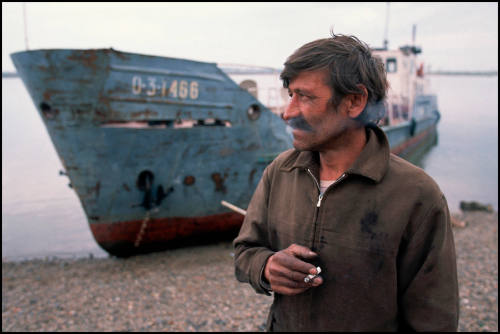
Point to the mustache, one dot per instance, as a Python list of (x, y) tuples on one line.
[(300, 123)]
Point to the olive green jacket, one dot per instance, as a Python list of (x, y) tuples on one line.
[(383, 236)]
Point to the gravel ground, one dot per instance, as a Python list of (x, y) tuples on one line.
[(194, 289), (477, 262)]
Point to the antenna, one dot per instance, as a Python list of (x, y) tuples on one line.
[(386, 41), (25, 27), (413, 34)]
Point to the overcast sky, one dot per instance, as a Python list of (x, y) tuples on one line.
[(453, 36)]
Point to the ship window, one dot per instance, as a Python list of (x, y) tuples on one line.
[(250, 86), (168, 124), (253, 112), (212, 122), (391, 65), (395, 111)]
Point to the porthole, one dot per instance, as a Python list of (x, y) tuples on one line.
[(47, 110), (253, 112)]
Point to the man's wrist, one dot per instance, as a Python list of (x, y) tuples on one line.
[(264, 283)]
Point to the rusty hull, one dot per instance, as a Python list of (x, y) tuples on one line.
[(121, 238)]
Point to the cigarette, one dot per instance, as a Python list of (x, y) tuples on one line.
[(310, 277), (234, 207)]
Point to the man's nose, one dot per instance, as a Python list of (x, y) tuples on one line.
[(291, 110)]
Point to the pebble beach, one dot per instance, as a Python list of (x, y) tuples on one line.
[(194, 289)]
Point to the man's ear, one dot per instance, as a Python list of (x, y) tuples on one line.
[(357, 102)]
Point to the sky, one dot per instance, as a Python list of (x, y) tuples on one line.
[(453, 36)]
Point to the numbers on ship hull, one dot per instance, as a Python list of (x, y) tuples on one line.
[(152, 86)]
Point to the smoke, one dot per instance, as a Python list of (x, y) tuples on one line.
[(374, 111)]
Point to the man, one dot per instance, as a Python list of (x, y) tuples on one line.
[(377, 227)]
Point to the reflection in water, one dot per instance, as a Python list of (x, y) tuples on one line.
[(418, 158)]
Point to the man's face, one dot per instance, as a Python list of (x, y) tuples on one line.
[(316, 124)]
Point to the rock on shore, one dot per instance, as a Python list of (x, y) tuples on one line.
[(194, 289)]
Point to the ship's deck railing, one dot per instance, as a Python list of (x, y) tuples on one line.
[(246, 69)]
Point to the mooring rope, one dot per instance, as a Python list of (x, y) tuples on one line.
[(144, 225)]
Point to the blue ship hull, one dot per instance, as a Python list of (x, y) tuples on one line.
[(152, 145)]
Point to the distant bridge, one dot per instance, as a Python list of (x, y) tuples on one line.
[(9, 75), (475, 73)]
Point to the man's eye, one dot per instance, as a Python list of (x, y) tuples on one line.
[(300, 95)]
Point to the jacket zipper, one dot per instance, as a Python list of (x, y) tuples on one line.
[(320, 198)]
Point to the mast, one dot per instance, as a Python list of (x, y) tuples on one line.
[(25, 27), (413, 35), (386, 32)]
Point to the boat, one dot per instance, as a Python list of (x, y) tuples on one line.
[(153, 145), (412, 111)]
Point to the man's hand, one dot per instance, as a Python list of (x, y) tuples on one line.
[(285, 271)]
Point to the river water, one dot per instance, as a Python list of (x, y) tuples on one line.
[(42, 217)]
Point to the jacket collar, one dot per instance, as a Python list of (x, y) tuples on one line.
[(371, 163)]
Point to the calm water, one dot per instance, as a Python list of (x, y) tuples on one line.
[(42, 217)]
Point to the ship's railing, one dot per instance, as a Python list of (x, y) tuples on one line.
[(397, 134)]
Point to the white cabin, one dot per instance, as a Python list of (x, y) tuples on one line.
[(263, 83), (406, 81)]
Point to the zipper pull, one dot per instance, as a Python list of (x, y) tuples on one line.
[(319, 200)]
